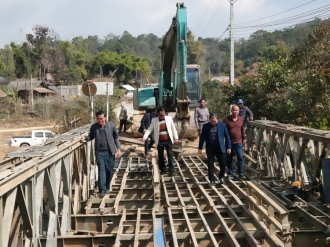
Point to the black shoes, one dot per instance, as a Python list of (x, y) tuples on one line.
[(242, 177), (212, 183), (162, 172)]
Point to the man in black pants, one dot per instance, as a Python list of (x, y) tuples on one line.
[(145, 123), (107, 145), (123, 117), (213, 134), (166, 136)]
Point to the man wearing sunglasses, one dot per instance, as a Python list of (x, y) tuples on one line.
[(165, 135)]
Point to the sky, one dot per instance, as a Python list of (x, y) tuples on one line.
[(72, 18)]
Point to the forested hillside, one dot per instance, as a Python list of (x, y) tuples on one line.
[(87, 57)]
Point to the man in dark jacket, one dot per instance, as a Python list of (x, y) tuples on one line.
[(244, 112), (145, 123), (107, 145), (214, 133)]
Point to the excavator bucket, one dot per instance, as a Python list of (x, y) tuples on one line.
[(183, 108)]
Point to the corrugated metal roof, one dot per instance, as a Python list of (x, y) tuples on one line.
[(128, 87), (20, 84), (44, 90), (3, 81)]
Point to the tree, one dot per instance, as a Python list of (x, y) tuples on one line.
[(7, 63)]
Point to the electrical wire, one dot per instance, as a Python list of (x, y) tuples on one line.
[(203, 16), (277, 13), (226, 22), (322, 16), (211, 18), (314, 12)]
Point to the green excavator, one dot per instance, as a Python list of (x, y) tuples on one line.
[(179, 84)]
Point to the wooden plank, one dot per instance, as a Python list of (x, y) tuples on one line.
[(131, 141), (5, 173)]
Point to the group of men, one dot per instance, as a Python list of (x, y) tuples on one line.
[(223, 139)]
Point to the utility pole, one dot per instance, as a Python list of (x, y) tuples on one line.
[(232, 61), (32, 108)]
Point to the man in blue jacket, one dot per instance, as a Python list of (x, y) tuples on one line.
[(213, 134), (145, 123)]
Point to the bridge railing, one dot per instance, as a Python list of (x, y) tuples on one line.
[(41, 187), (291, 152)]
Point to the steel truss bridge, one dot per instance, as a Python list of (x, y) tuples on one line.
[(48, 196)]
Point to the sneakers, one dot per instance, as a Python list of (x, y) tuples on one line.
[(242, 177), (212, 183), (222, 181)]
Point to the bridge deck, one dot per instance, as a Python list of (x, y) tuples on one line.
[(50, 200)]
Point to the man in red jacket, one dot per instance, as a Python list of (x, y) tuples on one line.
[(235, 127)]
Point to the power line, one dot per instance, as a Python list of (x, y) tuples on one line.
[(226, 23), (324, 14), (277, 13), (211, 17), (281, 29), (203, 16), (320, 10)]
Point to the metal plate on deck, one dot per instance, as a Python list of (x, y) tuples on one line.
[(63, 138), (34, 151)]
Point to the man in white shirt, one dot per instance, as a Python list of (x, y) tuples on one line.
[(165, 135)]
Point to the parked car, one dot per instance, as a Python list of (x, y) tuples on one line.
[(37, 137)]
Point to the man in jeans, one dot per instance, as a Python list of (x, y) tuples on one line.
[(107, 145), (165, 136), (145, 123), (123, 117), (235, 127), (214, 134), (244, 112), (201, 116)]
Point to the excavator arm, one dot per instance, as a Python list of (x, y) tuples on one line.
[(172, 93)]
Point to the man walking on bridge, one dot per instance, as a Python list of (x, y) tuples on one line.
[(244, 112), (107, 145), (145, 123), (214, 134), (165, 135), (235, 127), (201, 116)]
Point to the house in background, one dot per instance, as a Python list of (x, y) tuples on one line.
[(67, 91), (3, 81), (225, 80), (23, 87)]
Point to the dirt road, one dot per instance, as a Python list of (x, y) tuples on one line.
[(7, 131), (25, 129)]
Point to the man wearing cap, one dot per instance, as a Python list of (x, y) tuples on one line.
[(244, 112)]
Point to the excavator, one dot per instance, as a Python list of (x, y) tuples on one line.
[(179, 84)]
